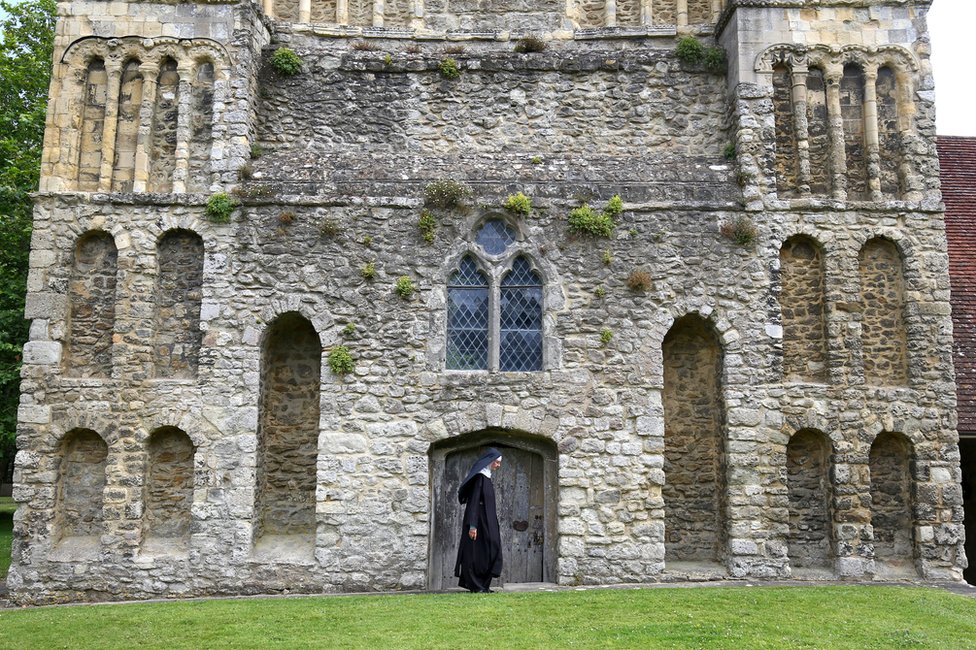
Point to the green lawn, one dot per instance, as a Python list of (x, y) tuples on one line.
[(7, 507), (713, 617)]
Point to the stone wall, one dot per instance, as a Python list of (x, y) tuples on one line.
[(674, 384), (81, 482)]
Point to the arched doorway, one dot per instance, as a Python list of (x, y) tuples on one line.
[(525, 489)]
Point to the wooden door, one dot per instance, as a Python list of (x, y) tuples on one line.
[(520, 496)]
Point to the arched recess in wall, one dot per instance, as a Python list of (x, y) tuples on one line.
[(890, 141), (787, 160), (92, 125), (884, 339), (852, 113), (360, 13), (127, 126), (162, 160), (818, 132), (201, 127), (808, 486), (288, 432), (80, 486), (397, 13), (178, 296), (892, 502), (526, 492), (801, 300), (168, 491), (287, 10), (694, 451), (664, 12), (91, 306)]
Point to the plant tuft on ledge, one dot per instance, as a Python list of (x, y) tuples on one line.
[(585, 220), (286, 62), (692, 53), (531, 43), (742, 231), (340, 361), (404, 287), (219, 207), (445, 194), (518, 204), (427, 225), (449, 68)]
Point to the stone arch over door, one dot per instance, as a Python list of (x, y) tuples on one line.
[(526, 490)]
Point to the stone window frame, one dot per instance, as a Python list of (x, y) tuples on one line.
[(831, 61), (495, 267), (151, 53)]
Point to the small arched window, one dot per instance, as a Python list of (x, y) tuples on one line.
[(494, 306)]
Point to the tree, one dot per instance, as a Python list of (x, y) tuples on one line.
[(26, 51)]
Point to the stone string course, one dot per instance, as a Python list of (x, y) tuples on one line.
[(347, 147)]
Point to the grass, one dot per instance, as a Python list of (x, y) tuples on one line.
[(713, 617), (7, 507)]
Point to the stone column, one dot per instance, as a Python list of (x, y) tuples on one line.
[(268, 6), (716, 10), (417, 14), (647, 12), (140, 175), (801, 127), (379, 8), (342, 12), (838, 150), (184, 130), (114, 73), (681, 15), (912, 183), (871, 137), (304, 11), (610, 13)]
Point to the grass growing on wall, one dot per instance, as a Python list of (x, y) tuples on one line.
[(7, 507), (712, 617)]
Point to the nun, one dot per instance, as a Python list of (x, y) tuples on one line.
[(479, 557)]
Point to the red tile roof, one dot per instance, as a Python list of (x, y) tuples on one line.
[(957, 158)]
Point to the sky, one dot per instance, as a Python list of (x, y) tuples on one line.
[(950, 27)]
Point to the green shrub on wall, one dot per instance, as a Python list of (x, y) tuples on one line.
[(286, 62), (219, 207), (340, 361)]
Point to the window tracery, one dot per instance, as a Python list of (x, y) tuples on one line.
[(495, 305)]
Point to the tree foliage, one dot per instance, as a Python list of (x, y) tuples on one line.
[(26, 51)]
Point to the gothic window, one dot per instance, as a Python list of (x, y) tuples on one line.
[(494, 306), (467, 318), (521, 318)]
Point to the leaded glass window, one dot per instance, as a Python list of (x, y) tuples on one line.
[(520, 334), (467, 318), (495, 236)]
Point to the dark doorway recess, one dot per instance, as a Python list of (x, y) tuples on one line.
[(525, 489), (967, 453)]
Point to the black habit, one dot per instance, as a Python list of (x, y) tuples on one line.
[(479, 560)]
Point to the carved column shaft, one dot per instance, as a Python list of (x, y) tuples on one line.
[(838, 150), (681, 14), (269, 8), (417, 14), (647, 12), (871, 137), (140, 175), (305, 11), (716, 10), (379, 9), (801, 127), (342, 12), (610, 13), (184, 130), (110, 128)]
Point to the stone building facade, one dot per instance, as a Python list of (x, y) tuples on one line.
[(751, 376)]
